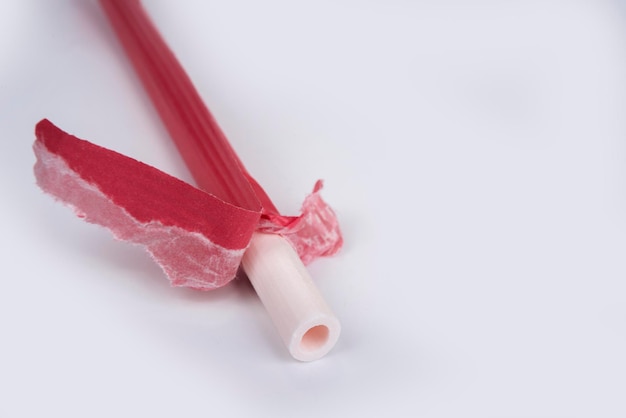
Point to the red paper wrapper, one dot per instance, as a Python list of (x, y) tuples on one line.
[(197, 238)]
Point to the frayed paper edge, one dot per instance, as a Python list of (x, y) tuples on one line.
[(189, 259)]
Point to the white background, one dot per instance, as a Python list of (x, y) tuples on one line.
[(475, 152)]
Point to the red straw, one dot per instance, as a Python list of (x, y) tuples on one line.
[(303, 319), (204, 147), (200, 238)]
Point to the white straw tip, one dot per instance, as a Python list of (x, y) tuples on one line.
[(312, 341), (304, 321)]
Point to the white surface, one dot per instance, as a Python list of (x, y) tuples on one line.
[(475, 152)]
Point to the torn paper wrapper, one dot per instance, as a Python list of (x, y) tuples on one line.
[(197, 238)]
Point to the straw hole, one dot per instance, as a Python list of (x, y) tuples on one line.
[(314, 338)]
